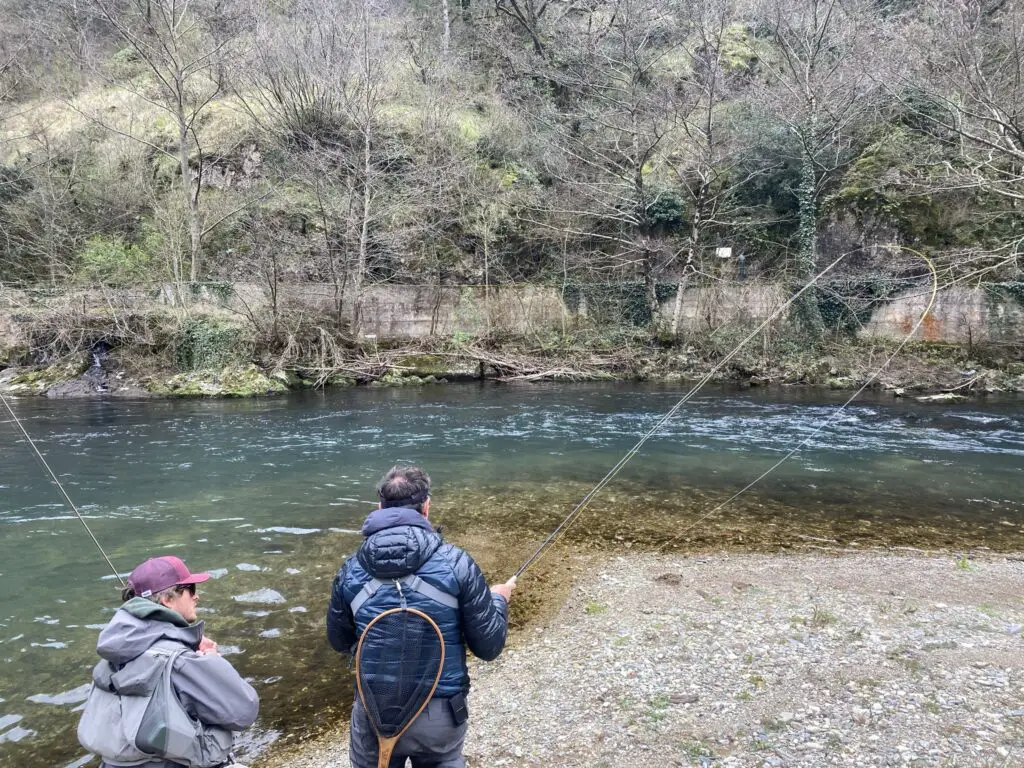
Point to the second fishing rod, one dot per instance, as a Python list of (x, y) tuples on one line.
[(578, 510)]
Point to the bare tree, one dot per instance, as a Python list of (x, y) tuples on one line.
[(617, 118), (819, 89), (322, 87), (183, 46), (708, 162), (816, 58), (962, 81)]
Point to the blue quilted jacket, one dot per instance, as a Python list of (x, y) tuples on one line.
[(401, 542)]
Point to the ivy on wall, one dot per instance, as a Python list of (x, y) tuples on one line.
[(616, 303), (204, 344), (1013, 290), (847, 305)]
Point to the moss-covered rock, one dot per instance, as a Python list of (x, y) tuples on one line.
[(292, 380), (39, 380), (424, 365), (840, 382), (451, 368), (395, 378), (231, 381)]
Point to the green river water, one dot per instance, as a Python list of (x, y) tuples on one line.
[(269, 496)]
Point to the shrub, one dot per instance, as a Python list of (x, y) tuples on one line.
[(205, 344), (111, 262)]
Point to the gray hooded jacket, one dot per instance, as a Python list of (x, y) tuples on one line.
[(208, 687)]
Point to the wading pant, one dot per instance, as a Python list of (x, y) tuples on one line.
[(432, 741)]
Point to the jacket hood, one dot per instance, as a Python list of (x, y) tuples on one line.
[(138, 624), (380, 519), (398, 542)]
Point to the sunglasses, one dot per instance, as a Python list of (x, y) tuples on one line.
[(183, 588)]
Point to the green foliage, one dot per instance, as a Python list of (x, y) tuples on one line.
[(165, 169), (1013, 290), (111, 261), (657, 708), (847, 304), (886, 181), (204, 344), (126, 55), (506, 153), (737, 52), (821, 618), (963, 563), (665, 214), (806, 314)]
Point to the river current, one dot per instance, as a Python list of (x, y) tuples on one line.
[(268, 495)]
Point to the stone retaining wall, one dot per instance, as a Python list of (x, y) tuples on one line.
[(960, 315)]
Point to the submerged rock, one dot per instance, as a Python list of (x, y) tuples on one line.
[(263, 596), (74, 696), (942, 397)]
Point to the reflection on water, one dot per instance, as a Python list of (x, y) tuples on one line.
[(269, 496)]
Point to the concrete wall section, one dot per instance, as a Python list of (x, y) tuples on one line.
[(408, 311), (959, 315), (704, 308)]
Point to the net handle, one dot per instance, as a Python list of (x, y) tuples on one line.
[(386, 744)]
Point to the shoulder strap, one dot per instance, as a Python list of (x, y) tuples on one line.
[(416, 584), (369, 590), (413, 582)]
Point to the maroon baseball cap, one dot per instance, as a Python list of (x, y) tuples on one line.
[(160, 573)]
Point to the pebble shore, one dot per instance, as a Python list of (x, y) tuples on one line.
[(773, 661)]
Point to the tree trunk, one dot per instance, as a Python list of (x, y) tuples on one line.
[(677, 308), (806, 309), (651, 290), (364, 237), (367, 169), (195, 224), (487, 283), (446, 35)]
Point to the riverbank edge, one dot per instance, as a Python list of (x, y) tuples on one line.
[(782, 660), (946, 371)]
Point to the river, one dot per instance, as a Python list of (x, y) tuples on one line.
[(269, 496)]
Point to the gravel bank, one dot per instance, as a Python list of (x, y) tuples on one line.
[(757, 660)]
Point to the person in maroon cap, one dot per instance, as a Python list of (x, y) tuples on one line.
[(126, 720)]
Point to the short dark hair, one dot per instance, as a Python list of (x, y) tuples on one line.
[(128, 593), (402, 483)]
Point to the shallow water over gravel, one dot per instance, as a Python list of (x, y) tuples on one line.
[(269, 495)]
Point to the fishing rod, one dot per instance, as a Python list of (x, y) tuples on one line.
[(832, 417), (574, 515), (571, 518), (60, 486)]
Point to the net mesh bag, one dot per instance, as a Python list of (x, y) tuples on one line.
[(398, 665)]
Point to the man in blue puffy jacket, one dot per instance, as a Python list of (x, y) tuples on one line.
[(439, 579)]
